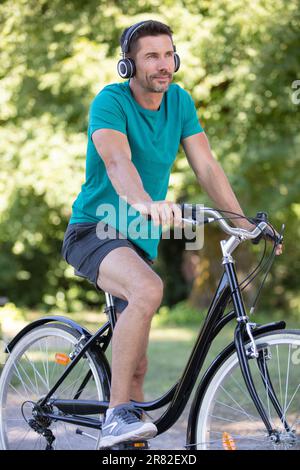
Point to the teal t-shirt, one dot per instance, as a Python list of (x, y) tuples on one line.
[(154, 138)]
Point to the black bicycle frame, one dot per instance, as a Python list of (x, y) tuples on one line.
[(179, 394)]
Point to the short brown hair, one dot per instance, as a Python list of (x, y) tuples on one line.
[(150, 28)]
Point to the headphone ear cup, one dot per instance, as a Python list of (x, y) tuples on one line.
[(177, 62), (126, 68)]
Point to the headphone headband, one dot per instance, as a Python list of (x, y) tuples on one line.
[(130, 33)]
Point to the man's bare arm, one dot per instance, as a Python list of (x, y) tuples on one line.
[(213, 179), (113, 147), (211, 176)]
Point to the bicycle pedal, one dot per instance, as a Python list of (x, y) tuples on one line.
[(131, 445)]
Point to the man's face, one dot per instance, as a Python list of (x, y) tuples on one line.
[(154, 60)]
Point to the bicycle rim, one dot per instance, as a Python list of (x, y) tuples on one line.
[(228, 419), (32, 368)]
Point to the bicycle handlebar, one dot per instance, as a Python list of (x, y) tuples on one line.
[(209, 215)]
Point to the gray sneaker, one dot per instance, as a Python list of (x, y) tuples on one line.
[(124, 424)]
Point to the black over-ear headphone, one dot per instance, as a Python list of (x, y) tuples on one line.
[(126, 66)]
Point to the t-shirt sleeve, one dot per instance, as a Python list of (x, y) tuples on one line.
[(190, 121), (106, 113)]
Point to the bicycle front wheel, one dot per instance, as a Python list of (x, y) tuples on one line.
[(32, 368), (227, 418)]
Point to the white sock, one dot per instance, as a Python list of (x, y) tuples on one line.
[(108, 413)]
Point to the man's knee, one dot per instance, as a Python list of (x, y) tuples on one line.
[(147, 294)]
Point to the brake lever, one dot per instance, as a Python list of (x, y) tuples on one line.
[(268, 233), (278, 236), (280, 241)]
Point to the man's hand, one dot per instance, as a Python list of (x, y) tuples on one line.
[(248, 226), (161, 212), (279, 248)]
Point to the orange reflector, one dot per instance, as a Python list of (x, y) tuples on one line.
[(228, 442), (62, 359), (138, 444)]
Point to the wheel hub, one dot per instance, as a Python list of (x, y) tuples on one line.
[(40, 415), (285, 439)]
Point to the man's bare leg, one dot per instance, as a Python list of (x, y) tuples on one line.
[(124, 274), (138, 379)]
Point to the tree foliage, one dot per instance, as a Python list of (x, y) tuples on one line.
[(239, 60)]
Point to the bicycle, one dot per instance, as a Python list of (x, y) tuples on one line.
[(57, 376)]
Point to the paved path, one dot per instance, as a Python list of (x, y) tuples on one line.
[(174, 438)]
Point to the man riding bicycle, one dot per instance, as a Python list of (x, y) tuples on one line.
[(134, 132)]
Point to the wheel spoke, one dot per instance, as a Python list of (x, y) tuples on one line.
[(32, 369), (234, 401), (242, 389), (256, 437), (279, 375), (36, 372), (44, 365), (227, 408), (266, 388), (26, 388), (289, 404), (287, 382), (24, 435), (241, 410), (17, 391), (296, 421), (236, 437), (223, 419), (66, 434)]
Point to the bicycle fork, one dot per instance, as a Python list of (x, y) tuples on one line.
[(243, 330), (244, 357), (263, 368)]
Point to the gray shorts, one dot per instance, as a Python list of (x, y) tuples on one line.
[(84, 250)]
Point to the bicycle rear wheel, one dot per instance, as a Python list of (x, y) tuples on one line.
[(32, 368), (227, 418)]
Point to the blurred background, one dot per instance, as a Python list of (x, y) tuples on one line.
[(240, 62)]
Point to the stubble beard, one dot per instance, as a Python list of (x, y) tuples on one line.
[(153, 88)]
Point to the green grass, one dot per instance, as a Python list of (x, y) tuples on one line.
[(169, 346)]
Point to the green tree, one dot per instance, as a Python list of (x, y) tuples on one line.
[(239, 60)]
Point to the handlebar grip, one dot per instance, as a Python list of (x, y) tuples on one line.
[(184, 215), (192, 213), (260, 217), (268, 232)]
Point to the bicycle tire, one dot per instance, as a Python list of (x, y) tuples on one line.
[(226, 417), (31, 368)]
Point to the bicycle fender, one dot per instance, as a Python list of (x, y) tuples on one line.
[(191, 428), (42, 321)]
